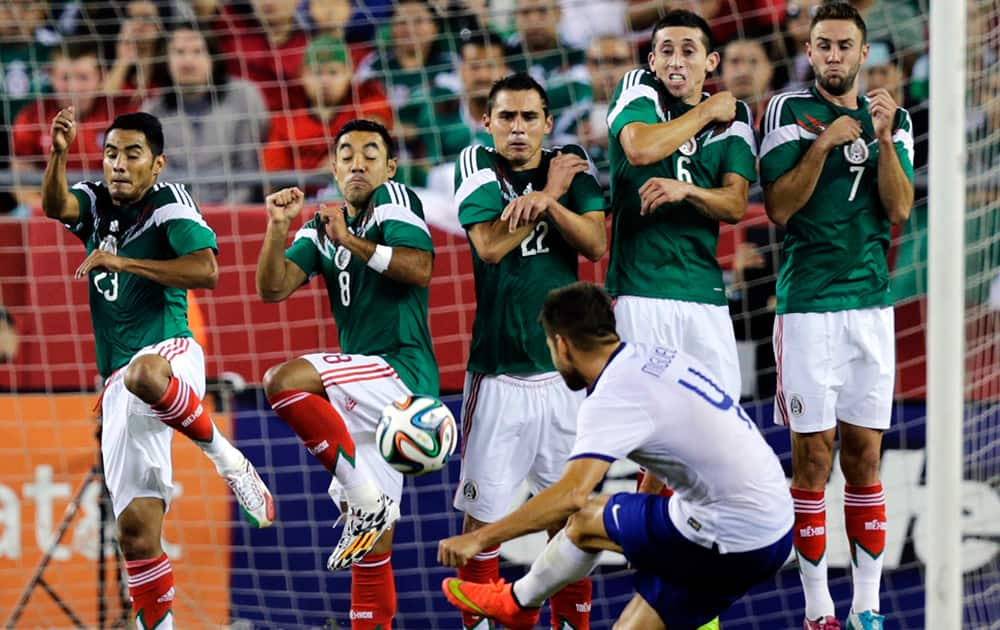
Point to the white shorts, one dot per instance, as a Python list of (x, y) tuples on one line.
[(835, 366), (701, 330), (135, 443), (514, 428), (359, 387)]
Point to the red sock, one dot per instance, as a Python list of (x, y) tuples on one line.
[(484, 567), (571, 605), (151, 585), (864, 516), (181, 409), (317, 424), (809, 536), (664, 491), (373, 593)]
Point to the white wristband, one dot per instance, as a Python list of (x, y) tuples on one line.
[(380, 259)]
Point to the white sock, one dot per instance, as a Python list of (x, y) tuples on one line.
[(227, 458), (560, 564)]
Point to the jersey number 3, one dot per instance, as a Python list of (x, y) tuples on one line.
[(110, 288)]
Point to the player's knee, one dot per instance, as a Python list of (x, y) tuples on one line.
[(812, 463), (275, 380), (860, 464), (147, 377), (138, 540)]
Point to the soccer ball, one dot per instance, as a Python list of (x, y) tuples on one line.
[(416, 435)]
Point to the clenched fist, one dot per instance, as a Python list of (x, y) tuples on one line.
[(63, 130), (284, 205)]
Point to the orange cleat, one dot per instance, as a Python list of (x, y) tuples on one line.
[(494, 600)]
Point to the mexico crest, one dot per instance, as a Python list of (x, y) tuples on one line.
[(856, 152)]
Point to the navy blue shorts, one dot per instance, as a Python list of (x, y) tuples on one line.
[(688, 585)]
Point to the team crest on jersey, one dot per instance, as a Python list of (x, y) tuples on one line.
[(856, 152), (342, 258), (796, 405), (689, 147), (470, 490)]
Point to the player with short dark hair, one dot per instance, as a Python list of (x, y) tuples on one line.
[(529, 213), (837, 169), (727, 526), (376, 257), (147, 244), (681, 161)]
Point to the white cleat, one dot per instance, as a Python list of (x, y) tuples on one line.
[(362, 529), (252, 495)]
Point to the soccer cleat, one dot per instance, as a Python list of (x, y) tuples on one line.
[(362, 529), (868, 620), (823, 623), (252, 495), (494, 600)]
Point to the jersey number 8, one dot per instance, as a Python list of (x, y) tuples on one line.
[(344, 282)]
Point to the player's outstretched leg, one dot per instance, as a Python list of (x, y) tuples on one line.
[(297, 394), (494, 600), (177, 404)]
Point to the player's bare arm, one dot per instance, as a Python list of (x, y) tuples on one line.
[(57, 202), (197, 270), (585, 233), (790, 192), (895, 190), (727, 203), (406, 264), (646, 144), (494, 240), (547, 509), (278, 277)]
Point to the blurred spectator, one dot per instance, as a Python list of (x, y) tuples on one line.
[(897, 21), (881, 70), (794, 72), (412, 57), (537, 49), (582, 21), (8, 336), (138, 66), (76, 76), (747, 73), (266, 47), (452, 117), (25, 47), (214, 125), (608, 59), (302, 140), (328, 17)]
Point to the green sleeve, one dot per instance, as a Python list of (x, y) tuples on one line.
[(477, 190), (401, 215), (740, 155), (86, 198), (304, 250), (188, 235), (902, 139), (635, 100), (782, 145), (585, 193)]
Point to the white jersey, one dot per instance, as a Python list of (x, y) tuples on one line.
[(661, 409)]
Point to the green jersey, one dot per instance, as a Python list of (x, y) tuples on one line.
[(670, 253), (563, 74), (23, 77), (130, 312), (376, 315), (835, 246), (506, 335)]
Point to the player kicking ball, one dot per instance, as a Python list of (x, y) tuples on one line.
[(147, 244), (726, 528)]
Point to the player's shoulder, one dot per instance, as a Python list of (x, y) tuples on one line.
[(394, 193), (575, 149), (902, 119), (94, 190), (743, 113), (782, 108), (474, 158), (635, 78), (170, 194)]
